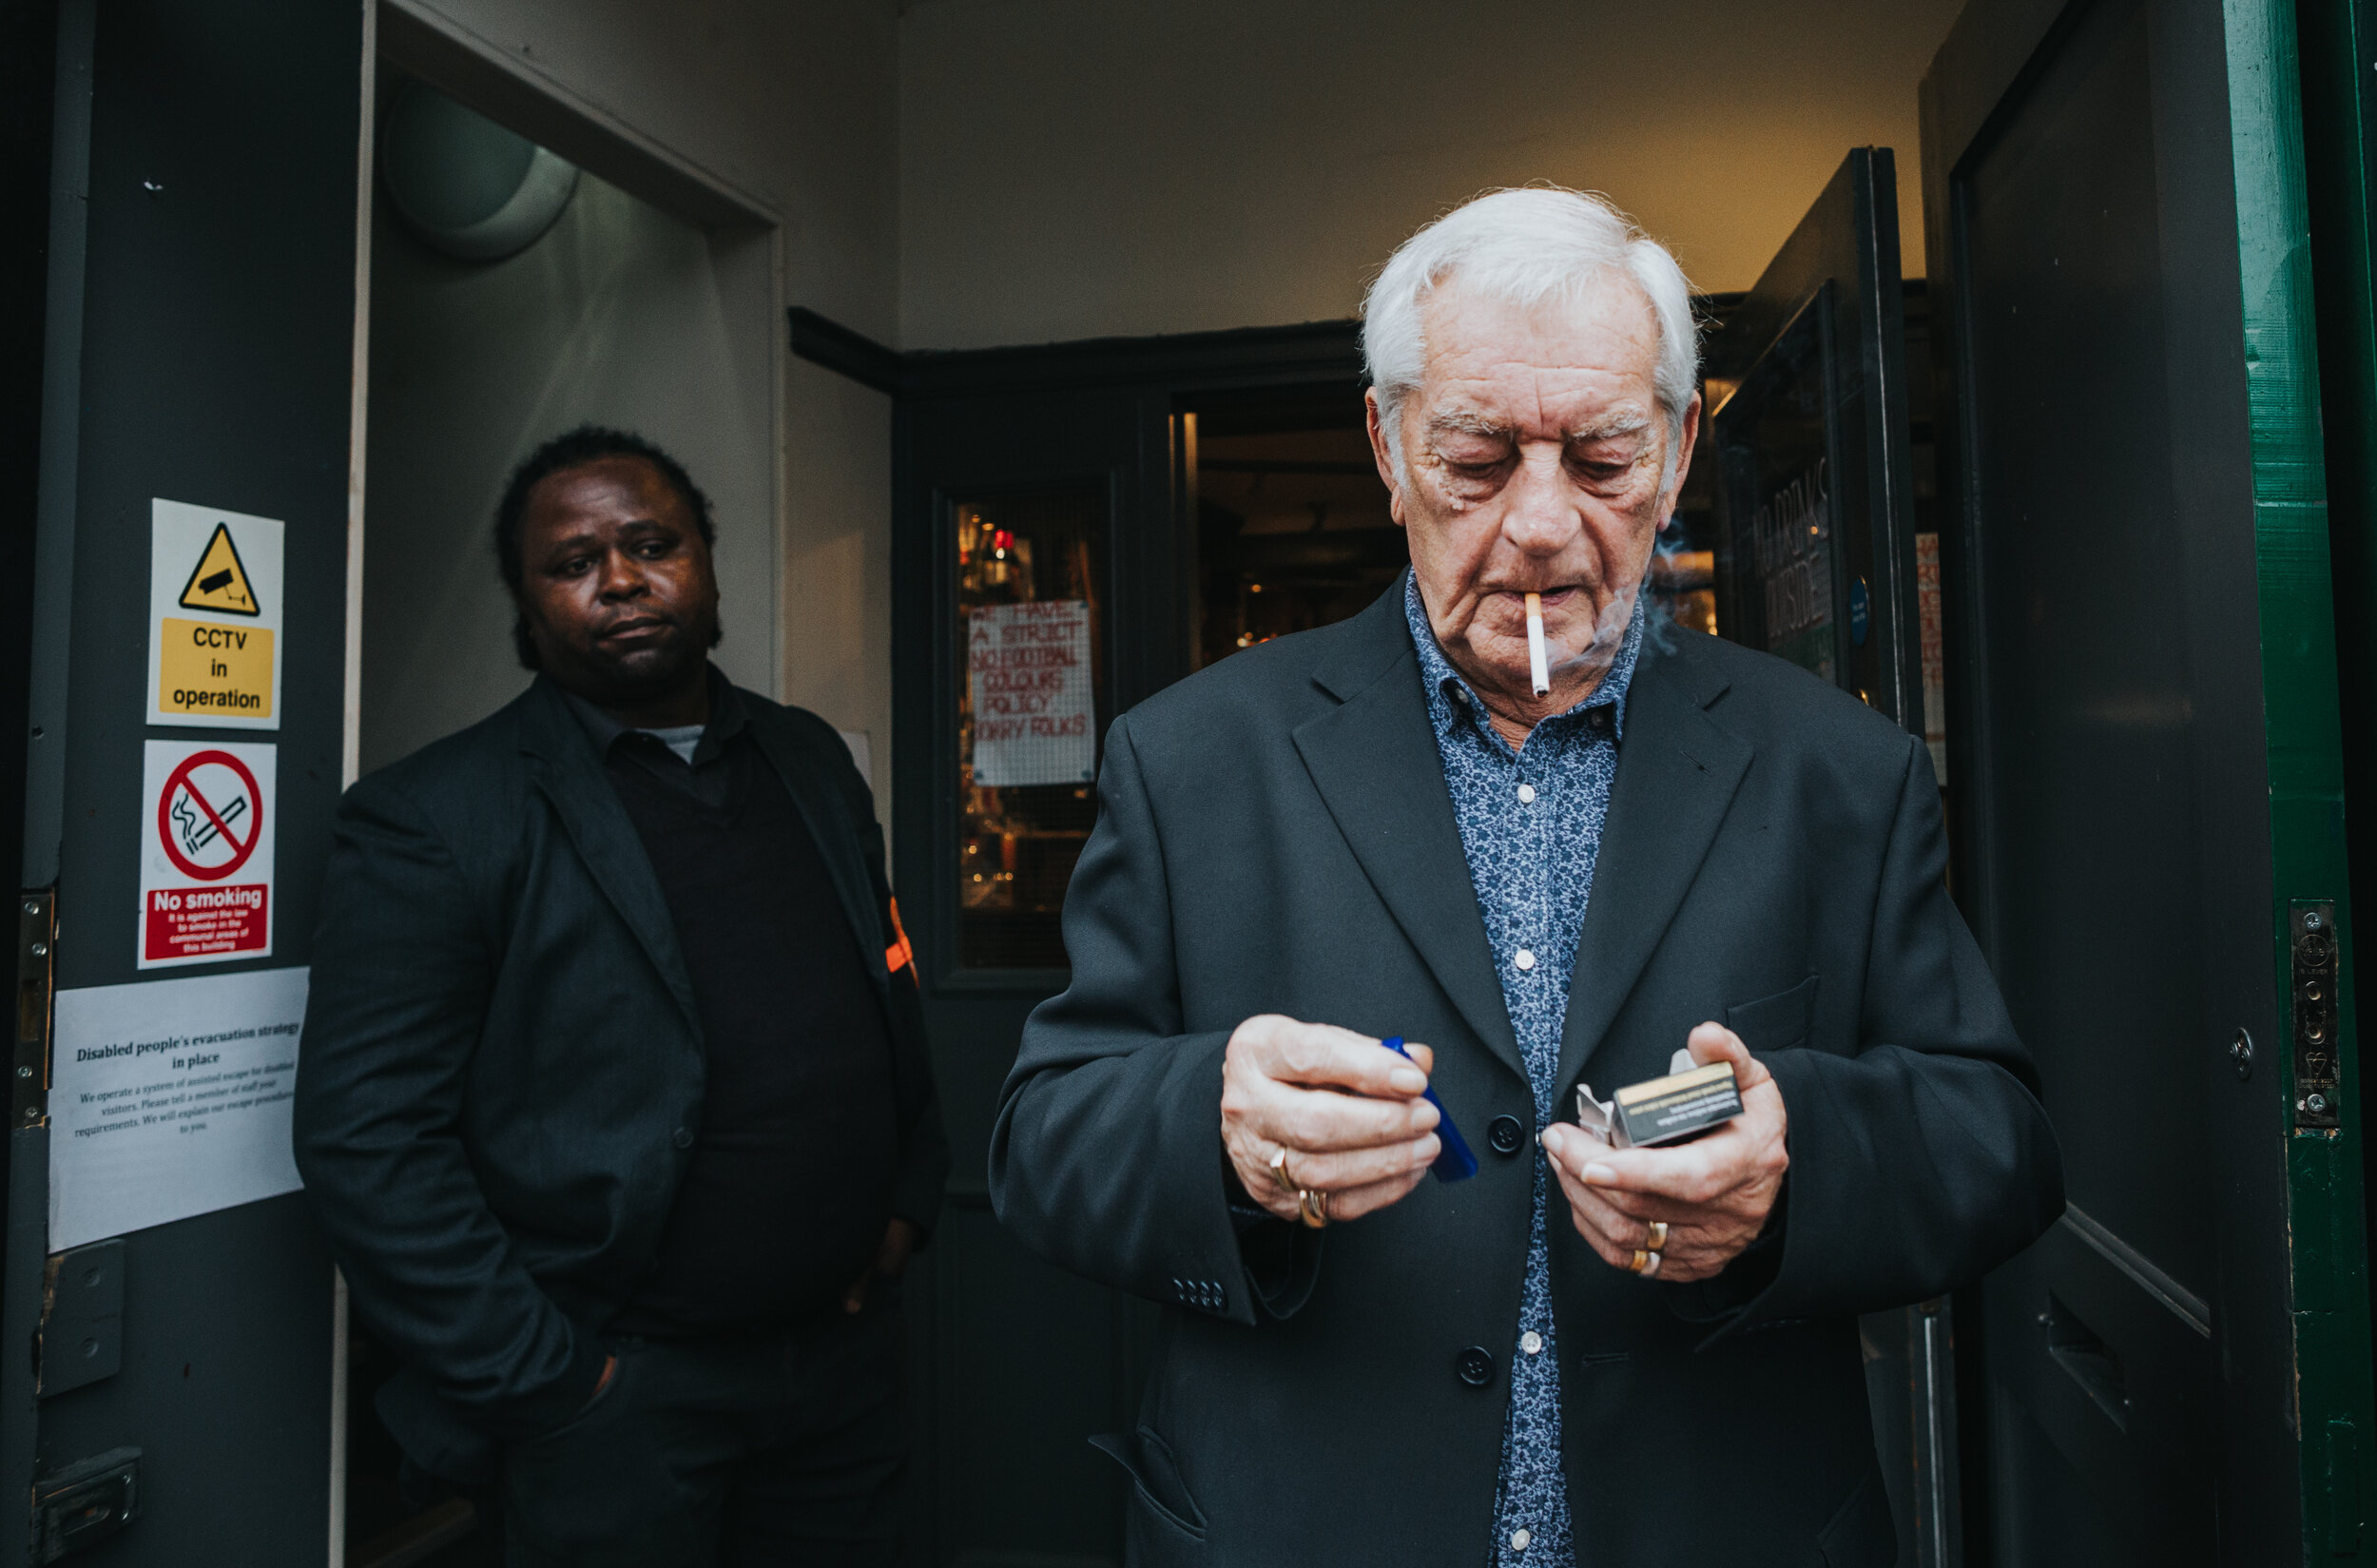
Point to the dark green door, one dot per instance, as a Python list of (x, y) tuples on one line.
[(2145, 751), (1047, 576), (169, 1303), (1017, 514)]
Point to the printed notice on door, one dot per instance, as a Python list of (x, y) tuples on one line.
[(1028, 669), (171, 1098), (205, 828), (214, 617)]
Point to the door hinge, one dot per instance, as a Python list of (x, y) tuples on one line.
[(37, 977), (82, 1317), (2311, 950)]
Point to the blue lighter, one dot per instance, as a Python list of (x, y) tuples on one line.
[(1454, 1162)]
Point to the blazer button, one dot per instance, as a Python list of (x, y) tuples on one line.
[(1475, 1366), (1505, 1135), (683, 1137)]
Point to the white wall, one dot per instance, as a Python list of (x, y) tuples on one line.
[(1072, 168), (790, 109)]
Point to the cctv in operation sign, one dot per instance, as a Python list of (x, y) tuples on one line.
[(214, 618)]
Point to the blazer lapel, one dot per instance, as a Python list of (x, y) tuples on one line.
[(1374, 760), (1678, 771), (563, 765), (829, 824)]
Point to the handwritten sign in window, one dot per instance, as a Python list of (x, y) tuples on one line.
[(1034, 719)]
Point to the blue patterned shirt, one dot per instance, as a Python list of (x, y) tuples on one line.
[(1531, 826)]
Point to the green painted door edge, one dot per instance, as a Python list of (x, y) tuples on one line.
[(2328, 1258)]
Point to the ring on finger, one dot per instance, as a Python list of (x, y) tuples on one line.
[(1657, 1240), (1645, 1262), (1313, 1206), (1279, 1171)]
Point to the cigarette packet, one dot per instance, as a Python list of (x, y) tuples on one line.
[(1657, 1110)]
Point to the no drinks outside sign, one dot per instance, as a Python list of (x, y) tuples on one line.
[(206, 857)]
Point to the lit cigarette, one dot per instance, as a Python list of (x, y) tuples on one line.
[(1537, 665)]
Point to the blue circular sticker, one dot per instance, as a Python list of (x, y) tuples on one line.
[(1860, 611)]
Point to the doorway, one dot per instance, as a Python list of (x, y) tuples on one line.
[(602, 308)]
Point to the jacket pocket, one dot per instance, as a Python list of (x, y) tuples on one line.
[(1165, 1527), (1861, 1535), (1776, 1022)]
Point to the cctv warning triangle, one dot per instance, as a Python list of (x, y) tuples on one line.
[(219, 582)]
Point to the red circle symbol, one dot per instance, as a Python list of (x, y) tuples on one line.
[(188, 822)]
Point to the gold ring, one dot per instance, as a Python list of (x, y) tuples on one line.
[(1313, 1206), (1658, 1237), (1642, 1262), (1279, 1171)]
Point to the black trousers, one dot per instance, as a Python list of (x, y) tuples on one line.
[(780, 1449)]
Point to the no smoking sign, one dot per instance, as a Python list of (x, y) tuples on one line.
[(206, 862)]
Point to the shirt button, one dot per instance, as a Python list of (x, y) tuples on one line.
[(1531, 1343), (1520, 1540), (1526, 794), (1525, 959), (683, 1137)]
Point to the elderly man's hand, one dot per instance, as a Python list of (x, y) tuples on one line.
[(1714, 1193), (1348, 1110)]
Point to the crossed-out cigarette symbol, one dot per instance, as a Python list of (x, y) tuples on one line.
[(189, 823)]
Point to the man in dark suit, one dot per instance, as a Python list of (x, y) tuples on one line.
[(615, 1098), (1553, 873)]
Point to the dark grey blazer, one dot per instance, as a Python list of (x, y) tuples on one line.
[(1275, 836), (502, 1067)]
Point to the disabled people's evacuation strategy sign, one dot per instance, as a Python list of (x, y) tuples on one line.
[(1031, 683), (171, 1098), (205, 827)]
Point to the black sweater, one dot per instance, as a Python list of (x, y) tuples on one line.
[(789, 1187)]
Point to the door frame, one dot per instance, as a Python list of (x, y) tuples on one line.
[(515, 93)]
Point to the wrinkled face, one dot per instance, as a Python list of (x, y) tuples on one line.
[(615, 582), (1535, 457)]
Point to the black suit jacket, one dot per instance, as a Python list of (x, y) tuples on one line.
[(502, 1067), (1276, 836)]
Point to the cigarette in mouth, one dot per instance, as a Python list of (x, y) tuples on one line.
[(1538, 666)]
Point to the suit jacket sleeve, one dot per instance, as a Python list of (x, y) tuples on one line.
[(1923, 1160), (923, 1171), (1106, 1157), (402, 968)]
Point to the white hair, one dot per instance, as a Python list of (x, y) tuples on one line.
[(1525, 246)]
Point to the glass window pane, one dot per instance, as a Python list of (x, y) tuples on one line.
[(1294, 529), (1031, 711)]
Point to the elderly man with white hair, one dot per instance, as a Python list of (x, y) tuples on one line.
[(1572, 871)]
